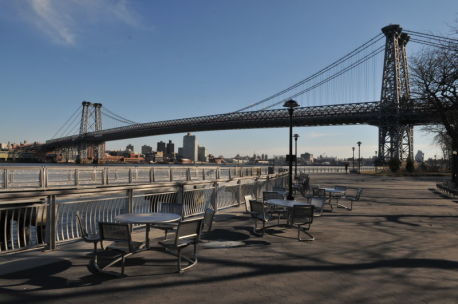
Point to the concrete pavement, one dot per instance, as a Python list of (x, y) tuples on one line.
[(399, 244)]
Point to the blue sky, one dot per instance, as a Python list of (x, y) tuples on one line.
[(158, 60)]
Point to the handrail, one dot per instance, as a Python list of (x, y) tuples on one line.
[(20, 178), (88, 190)]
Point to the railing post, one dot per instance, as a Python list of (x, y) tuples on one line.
[(230, 175), (214, 200), (203, 173), (171, 174), (188, 174), (130, 200), (130, 175), (51, 223), (77, 177), (42, 177), (5, 178), (239, 191), (217, 173), (180, 199), (268, 186), (256, 186), (151, 175), (104, 174)]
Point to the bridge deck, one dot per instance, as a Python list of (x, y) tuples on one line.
[(340, 114)]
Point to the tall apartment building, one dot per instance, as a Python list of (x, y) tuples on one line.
[(170, 148), (161, 147), (130, 148), (190, 147), (202, 154)]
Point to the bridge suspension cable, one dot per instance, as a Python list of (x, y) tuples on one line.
[(64, 129), (336, 63), (433, 40), (329, 78), (107, 112)]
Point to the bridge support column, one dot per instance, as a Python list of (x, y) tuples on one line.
[(395, 140)]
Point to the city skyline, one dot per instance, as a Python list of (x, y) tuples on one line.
[(158, 61)]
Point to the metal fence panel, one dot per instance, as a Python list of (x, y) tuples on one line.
[(22, 226), (195, 201), (227, 196), (91, 210)]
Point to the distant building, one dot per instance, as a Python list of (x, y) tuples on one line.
[(130, 148), (180, 152), (158, 156), (202, 154), (420, 156), (3, 146), (307, 157), (161, 147), (216, 160), (149, 157), (115, 152), (146, 149), (190, 150), (170, 149)]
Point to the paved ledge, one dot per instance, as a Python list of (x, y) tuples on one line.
[(399, 244)]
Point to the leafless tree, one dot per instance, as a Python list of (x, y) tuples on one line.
[(441, 138), (434, 76)]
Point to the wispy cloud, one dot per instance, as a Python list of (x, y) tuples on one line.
[(64, 21), (57, 25)]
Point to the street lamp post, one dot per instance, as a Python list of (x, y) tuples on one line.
[(359, 156), (353, 159), (295, 153), (290, 104)]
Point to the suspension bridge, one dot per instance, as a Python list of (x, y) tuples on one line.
[(394, 113)]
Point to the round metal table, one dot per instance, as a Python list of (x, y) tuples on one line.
[(333, 191), (147, 219), (284, 203)]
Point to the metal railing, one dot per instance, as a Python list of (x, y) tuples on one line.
[(56, 177), (329, 169), (47, 218)]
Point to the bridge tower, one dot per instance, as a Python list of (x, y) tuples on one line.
[(99, 149), (82, 148), (90, 151), (395, 140)]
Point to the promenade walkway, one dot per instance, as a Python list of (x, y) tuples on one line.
[(398, 245)]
